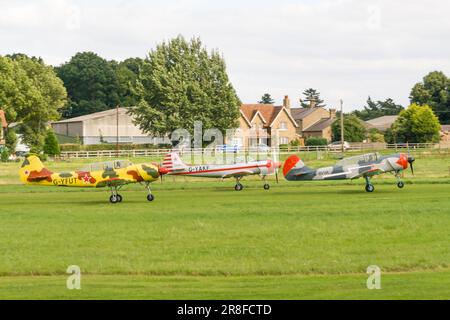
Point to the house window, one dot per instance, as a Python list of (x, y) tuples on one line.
[(283, 125), (284, 140)]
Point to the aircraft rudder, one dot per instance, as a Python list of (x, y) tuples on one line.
[(31, 163)]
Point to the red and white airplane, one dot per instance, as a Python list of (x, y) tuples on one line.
[(176, 167)]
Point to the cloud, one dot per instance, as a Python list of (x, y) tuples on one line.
[(346, 49)]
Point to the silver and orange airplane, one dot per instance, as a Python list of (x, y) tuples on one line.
[(176, 167), (112, 174), (366, 166)]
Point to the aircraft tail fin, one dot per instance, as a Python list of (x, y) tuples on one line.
[(173, 162), (294, 167), (33, 170)]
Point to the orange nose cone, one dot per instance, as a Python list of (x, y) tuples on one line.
[(403, 161), (163, 171), (290, 163), (277, 165)]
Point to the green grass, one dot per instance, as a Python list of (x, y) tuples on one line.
[(201, 239)]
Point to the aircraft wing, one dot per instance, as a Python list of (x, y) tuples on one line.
[(238, 174), (114, 182), (369, 172)]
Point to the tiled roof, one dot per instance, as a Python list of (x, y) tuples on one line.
[(3, 119), (301, 113), (383, 122), (320, 125), (267, 111)]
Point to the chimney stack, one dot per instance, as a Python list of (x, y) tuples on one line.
[(332, 113), (287, 102)]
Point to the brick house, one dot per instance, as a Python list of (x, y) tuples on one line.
[(445, 133), (3, 126), (314, 122), (262, 123)]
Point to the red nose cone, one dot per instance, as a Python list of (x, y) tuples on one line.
[(277, 165), (163, 171), (403, 161), (290, 163)]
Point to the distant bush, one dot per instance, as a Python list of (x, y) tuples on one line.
[(375, 135), (51, 146), (109, 146), (4, 154), (316, 141)]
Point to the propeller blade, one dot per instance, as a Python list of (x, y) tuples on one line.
[(411, 160), (276, 175)]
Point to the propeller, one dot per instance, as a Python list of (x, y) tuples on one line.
[(411, 160)]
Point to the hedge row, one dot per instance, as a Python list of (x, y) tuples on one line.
[(105, 146)]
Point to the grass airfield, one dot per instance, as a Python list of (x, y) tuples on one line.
[(200, 239)]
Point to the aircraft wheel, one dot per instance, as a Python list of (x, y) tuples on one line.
[(150, 197), (238, 187), (370, 188), (400, 184), (266, 186), (113, 199), (119, 198)]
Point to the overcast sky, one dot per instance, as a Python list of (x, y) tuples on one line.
[(346, 49)]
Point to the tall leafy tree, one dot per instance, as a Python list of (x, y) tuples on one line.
[(417, 124), (181, 82), (434, 91), (127, 74), (354, 129), (311, 99), (91, 84), (266, 99), (375, 109), (31, 94)]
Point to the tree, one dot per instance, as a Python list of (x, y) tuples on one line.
[(127, 74), (266, 99), (312, 99), (31, 94), (52, 96), (354, 129), (51, 146), (91, 84), (11, 139), (181, 82), (434, 91), (375, 109), (375, 135), (417, 124)]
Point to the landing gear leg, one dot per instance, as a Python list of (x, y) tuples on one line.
[(115, 197), (400, 183), (150, 196), (238, 186), (369, 186), (266, 185)]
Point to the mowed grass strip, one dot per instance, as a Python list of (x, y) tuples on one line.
[(300, 230), (415, 285)]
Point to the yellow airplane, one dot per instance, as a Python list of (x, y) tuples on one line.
[(111, 174)]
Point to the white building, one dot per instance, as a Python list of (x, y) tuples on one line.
[(101, 127)]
